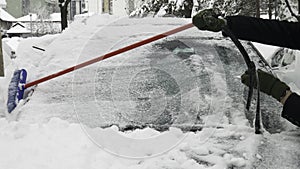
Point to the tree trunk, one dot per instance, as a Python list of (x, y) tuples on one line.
[(188, 8), (276, 8), (298, 6), (270, 9), (1, 59), (258, 8), (64, 14), (64, 18)]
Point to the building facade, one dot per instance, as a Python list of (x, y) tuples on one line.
[(115, 7), (77, 7)]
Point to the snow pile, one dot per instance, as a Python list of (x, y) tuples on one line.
[(60, 144), (12, 43)]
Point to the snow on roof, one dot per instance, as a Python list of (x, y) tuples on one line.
[(18, 28), (2, 2), (28, 18), (55, 17), (5, 16)]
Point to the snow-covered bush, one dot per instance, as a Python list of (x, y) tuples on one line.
[(283, 11), (176, 8), (184, 8)]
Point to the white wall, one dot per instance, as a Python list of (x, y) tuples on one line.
[(119, 8), (94, 6)]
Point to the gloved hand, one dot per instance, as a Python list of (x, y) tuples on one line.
[(207, 19), (268, 84)]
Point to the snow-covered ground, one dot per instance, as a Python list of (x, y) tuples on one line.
[(190, 79)]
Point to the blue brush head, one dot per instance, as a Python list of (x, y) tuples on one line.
[(13, 88), (16, 89)]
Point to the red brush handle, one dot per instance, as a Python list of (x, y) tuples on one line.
[(108, 55)]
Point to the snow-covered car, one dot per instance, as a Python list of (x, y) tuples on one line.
[(191, 79)]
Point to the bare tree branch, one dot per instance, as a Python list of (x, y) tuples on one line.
[(67, 2), (291, 11), (257, 8)]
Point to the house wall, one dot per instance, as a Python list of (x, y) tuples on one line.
[(119, 8), (107, 6), (94, 6), (116, 7), (77, 7)]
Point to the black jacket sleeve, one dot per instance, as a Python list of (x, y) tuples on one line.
[(291, 109), (272, 32)]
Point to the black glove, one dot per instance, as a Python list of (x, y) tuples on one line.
[(268, 84), (207, 19)]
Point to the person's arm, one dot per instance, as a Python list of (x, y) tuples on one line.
[(272, 32), (281, 92), (291, 108), (285, 97)]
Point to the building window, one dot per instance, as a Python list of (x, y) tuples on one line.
[(107, 6)]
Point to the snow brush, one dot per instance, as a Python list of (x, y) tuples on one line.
[(18, 82), (16, 89)]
